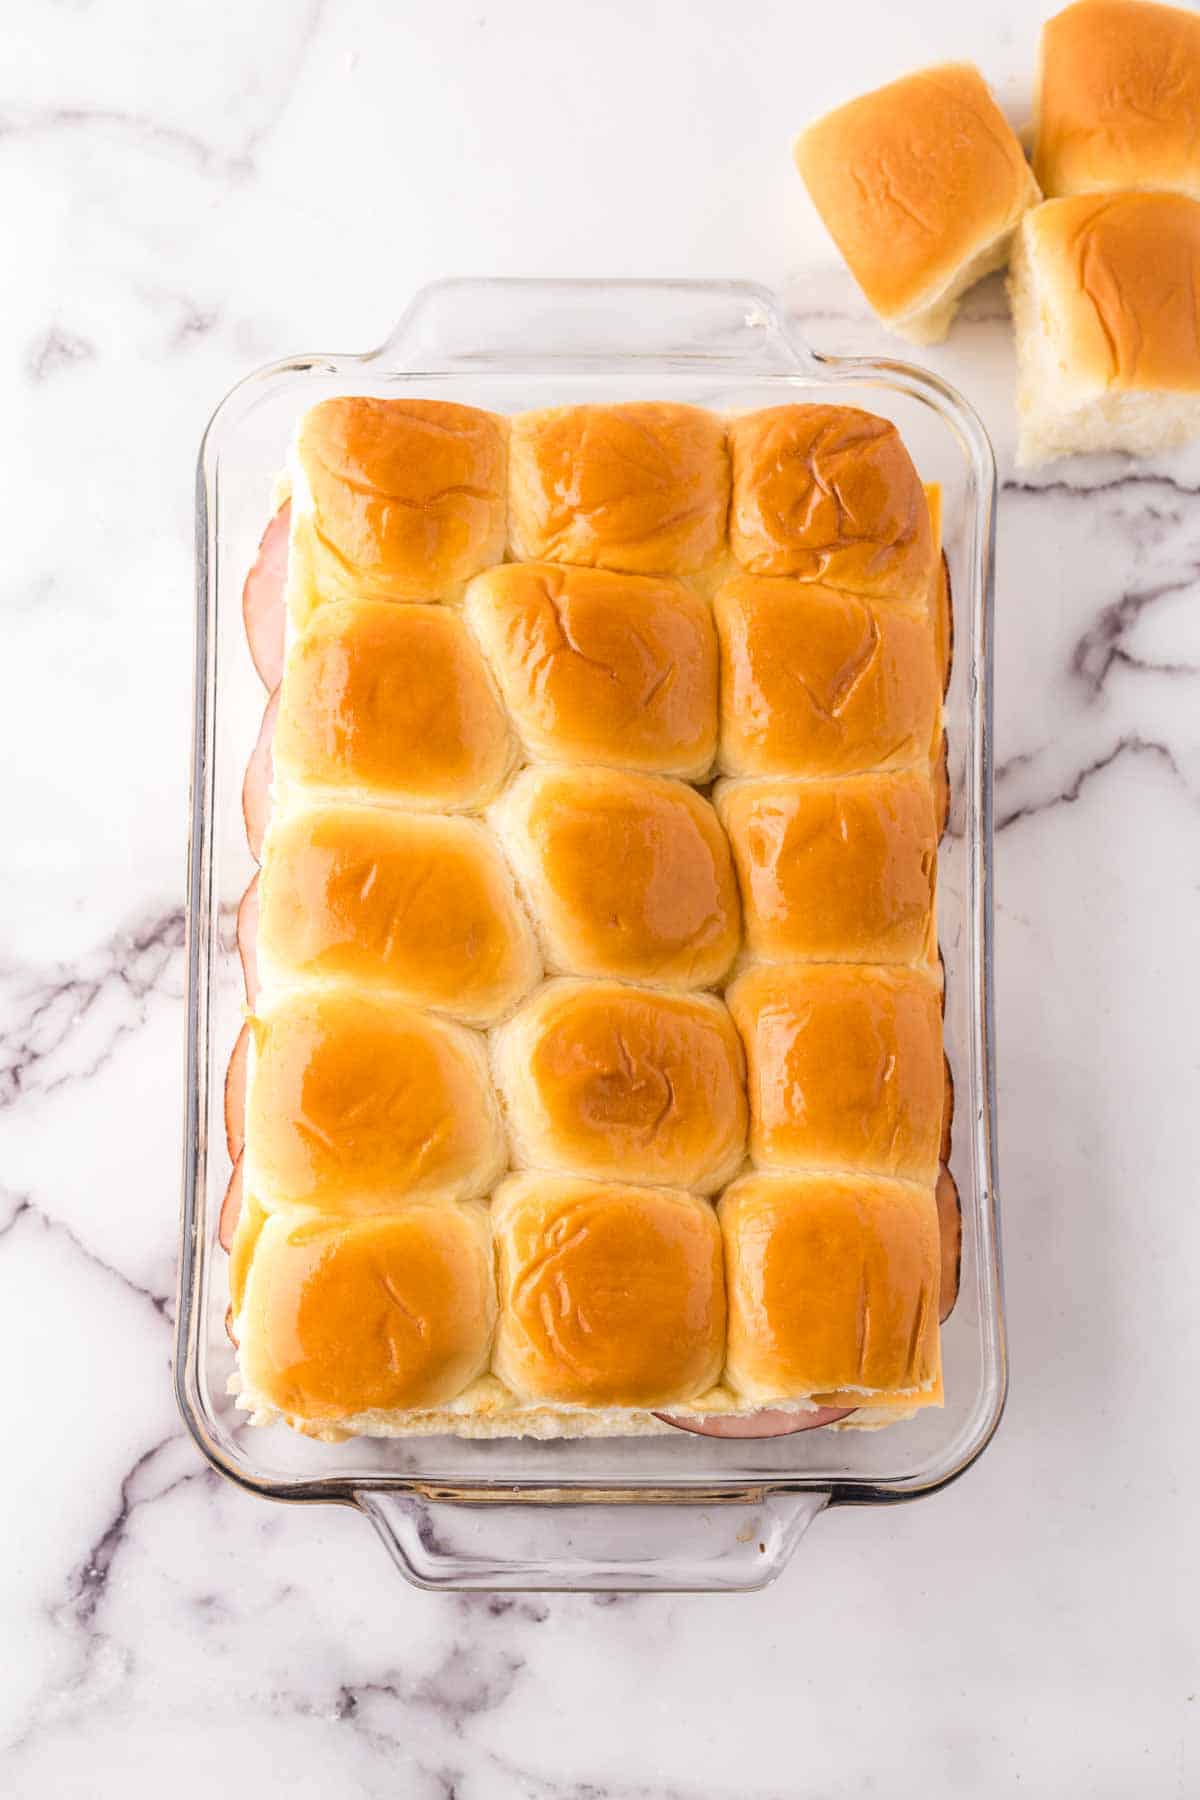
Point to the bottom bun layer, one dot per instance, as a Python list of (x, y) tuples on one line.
[(487, 1409)]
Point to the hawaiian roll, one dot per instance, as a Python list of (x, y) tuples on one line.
[(420, 905), (835, 871), (371, 1316), (829, 493), (642, 487), (394, 500), (819, 682), (598, 667), (920, 184), (610, 1296), (356, 720), (627, 875), (1106, 304), (355, 1103), (623, 1083), (1118, 99), (833, 1287), (845, 1067)]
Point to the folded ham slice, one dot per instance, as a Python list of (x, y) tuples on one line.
[(256, 788), (235, 1095), (247, 940), (262, 599), (756, 1425)]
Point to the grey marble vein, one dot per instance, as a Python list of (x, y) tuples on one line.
[(1100, 648), (1131, 479), (45, 1015), (1131, 745), (57, 351), (24, 1213)]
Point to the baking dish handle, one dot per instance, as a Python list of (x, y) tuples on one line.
[(582, 325), (720, 1545)]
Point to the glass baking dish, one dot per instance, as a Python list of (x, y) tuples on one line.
[(673, 1513)]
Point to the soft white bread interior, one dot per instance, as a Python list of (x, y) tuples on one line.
[(1106, 303), (1118, 99), (920, 184)]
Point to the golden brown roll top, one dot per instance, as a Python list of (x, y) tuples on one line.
[(642, 487), (356, 1104), (830, 494), (392, 703), (598, 667), (412, 904), (1115, 280), (628, 875), (610, 1296), (1118, 103), (845, 1067), (623, 1083), (832, 1285), (394, 500), (371, 1287), (920, 184), (373, 1316), (819, 682), (835, 871)]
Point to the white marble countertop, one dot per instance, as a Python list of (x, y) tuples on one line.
[(191, 190)]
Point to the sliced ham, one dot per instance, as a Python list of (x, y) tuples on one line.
[(256, 788), (755, 1425), (247, 940), (262, 599), (231, 1207), (950, 1225), (235, 1094)]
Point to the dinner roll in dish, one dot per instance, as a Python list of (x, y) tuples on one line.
[(1106, 303), (376, 1316), (598, 667), (610, 1296), (627, 875), (642, 487), (845, 1067), (354, 720), (832, 1288), (835, 871), (416, 905), (356, 1103), (920, 185), (829, 493), (394, 500), (819, 682), (1118, 99), (619, 1082)]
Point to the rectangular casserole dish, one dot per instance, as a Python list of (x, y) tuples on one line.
[(678, 1513)]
